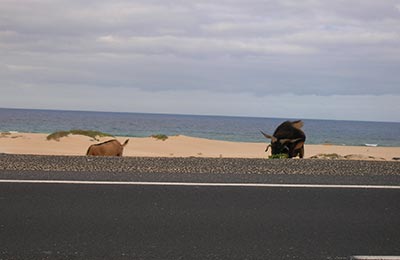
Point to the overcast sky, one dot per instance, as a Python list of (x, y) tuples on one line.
[(319, 59)]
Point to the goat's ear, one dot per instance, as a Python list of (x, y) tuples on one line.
[(273, 138)]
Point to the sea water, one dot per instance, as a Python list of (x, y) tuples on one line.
[(239, 129)]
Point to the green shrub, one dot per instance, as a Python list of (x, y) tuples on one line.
[(93, 134), (278, 156), (160, 137)]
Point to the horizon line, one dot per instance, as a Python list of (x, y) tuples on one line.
[(199, 115)]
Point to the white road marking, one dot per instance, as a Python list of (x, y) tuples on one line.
[(371, 257), (272, 185)]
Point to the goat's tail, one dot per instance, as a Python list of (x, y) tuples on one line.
[(126, 142), (88, 150)]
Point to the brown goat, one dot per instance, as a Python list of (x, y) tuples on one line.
[(108, 148)]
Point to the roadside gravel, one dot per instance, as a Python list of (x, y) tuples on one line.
[(143, 165)]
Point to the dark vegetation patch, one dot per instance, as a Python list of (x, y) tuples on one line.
[(160, 137), (93, 134), (278, 156)]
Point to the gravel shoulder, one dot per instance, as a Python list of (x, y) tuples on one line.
[(197, 165), (195, 169)]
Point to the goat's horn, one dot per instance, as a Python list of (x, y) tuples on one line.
[(273, 138), (282, 141)]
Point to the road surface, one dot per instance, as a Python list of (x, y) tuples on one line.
[(59, 220)]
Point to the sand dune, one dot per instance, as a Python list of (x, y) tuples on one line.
[(178, 146)]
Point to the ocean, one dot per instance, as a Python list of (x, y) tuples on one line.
[(240, 129)]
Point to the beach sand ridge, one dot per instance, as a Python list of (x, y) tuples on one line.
[(180, 146)]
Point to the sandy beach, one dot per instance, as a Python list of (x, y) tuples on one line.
[(178, 146)]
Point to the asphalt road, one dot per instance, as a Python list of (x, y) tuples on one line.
[(92, 221)]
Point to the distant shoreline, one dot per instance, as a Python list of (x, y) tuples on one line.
[(224, 128), (198, 115), (182, 146)]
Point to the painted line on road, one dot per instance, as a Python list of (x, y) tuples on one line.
[(374, 257), (271, 185)]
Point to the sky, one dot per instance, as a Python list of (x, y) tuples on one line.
[(317, 59)]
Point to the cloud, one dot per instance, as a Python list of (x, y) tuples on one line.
[(260, 47), (195, 47), (344, 38), (204, 102)]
